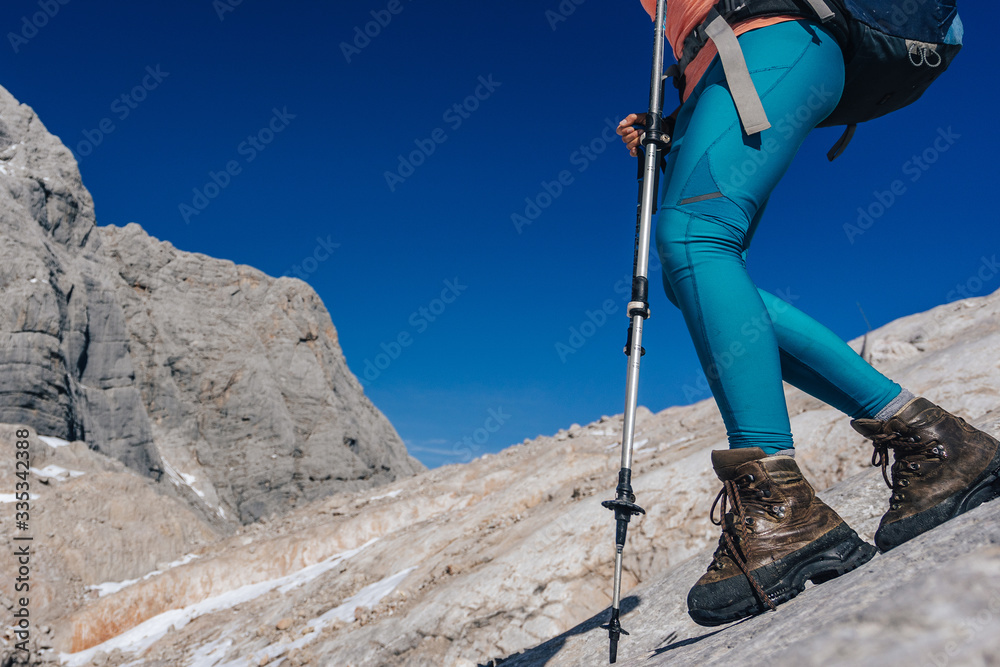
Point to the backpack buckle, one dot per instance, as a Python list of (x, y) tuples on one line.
[(732, 6)]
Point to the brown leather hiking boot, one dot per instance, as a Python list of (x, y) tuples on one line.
[(942, 468), (776, 535)]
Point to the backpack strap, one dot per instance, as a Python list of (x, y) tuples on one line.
[(717, 28), (841, 144), (821, 9), (745, 96)]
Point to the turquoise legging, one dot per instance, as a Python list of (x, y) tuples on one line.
[(716, 187)]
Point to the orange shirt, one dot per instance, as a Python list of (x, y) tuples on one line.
[(683, 16)]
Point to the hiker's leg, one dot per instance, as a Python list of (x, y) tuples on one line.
[(714, 201), (720, 180), (818, 362)]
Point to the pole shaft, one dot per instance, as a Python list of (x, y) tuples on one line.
[(642, 241), (616, 597), (631, 391), (638, 309)]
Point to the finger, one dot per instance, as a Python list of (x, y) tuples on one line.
[(626, 121), (630, 134), (630, 120)]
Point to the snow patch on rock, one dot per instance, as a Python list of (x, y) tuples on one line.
[(55, 472), (53, 442), (152, 630), (110, 587)]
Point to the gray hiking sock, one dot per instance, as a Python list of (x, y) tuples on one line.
[(895, 405), (781, 452)]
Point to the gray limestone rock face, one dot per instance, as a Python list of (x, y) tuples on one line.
[(216, 377), (64, 355), (244, 381)]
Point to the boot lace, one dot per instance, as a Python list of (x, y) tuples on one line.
[(909, 452), (730, 494)]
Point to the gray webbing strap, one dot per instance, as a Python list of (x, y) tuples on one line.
[(822, 9), (748, 103)]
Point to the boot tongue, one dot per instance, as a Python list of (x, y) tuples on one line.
[(912, 415), (726, 461), (867, 427), (909, 416)]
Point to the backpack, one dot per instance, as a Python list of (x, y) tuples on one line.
[(893, 51)]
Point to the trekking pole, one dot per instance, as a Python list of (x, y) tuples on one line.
[(656, 145)]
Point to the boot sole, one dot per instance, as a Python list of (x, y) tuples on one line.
[(836, 553), (984, 489)]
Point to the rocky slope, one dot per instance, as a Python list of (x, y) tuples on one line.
[(185, 368), (932, 601), (460, 566), (466, 564)]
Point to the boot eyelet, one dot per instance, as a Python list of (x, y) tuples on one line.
[(749, 521), (894, 506), (767, 493), (903, 483)]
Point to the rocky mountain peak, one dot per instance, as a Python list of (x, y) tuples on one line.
[(211, 377)]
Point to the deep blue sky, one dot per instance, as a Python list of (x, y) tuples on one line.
[(514, 295)]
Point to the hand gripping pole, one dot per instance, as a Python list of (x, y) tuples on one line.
[(655, 144)]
